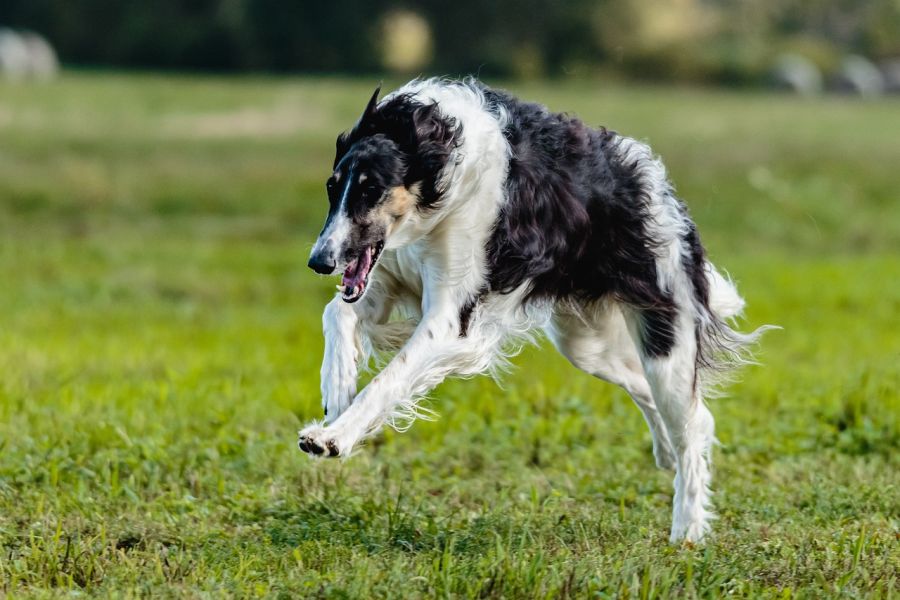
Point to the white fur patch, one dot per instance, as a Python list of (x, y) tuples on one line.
[(340, 225)]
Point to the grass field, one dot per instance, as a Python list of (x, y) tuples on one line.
[(160, 344)]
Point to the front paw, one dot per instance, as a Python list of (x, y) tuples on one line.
[(316, 440)]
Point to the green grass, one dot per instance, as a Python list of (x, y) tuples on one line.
[(160, 344)]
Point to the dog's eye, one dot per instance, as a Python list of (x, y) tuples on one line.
[(369, 193)]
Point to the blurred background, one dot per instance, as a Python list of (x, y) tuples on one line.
[(801, 44), (162, 170)]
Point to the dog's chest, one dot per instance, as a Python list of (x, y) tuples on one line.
[(406, 267)]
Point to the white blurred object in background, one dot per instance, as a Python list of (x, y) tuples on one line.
[(797, 74), (26, 55), (857, 75), (890, 70)]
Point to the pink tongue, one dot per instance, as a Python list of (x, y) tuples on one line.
[(356, 271)]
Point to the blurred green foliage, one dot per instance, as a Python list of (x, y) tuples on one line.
[(730, 41)]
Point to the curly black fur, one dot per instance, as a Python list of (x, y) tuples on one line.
[(424, 137), (575, 221)]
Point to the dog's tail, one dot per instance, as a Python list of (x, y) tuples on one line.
[(723, 349), (724, 300)]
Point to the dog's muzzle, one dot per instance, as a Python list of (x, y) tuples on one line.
[(322, 262)]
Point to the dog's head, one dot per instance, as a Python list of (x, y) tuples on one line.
[(385, 172)]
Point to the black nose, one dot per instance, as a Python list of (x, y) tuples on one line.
[(321, 263)]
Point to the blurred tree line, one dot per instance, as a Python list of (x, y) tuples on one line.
[(702, 40)]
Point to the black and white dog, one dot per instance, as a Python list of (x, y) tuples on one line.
[(464, 220)]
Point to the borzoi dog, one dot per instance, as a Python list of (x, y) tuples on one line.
[(464, 221)]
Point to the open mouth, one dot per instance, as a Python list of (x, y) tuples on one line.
[(356, 275)]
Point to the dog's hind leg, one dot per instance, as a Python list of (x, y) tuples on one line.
[(596, 340), (668, 350)]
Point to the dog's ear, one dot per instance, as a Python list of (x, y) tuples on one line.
[(366, 120), (370, 107), (365, 123), (436, 136)]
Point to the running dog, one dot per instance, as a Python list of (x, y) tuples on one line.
[(465, 221)]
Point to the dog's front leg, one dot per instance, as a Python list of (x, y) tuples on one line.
[(434, 351), (340, 360), (347, 346)]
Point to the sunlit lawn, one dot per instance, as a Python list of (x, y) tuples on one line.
[(160, 345)]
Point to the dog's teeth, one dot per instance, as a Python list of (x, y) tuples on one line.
[(341, 288)]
